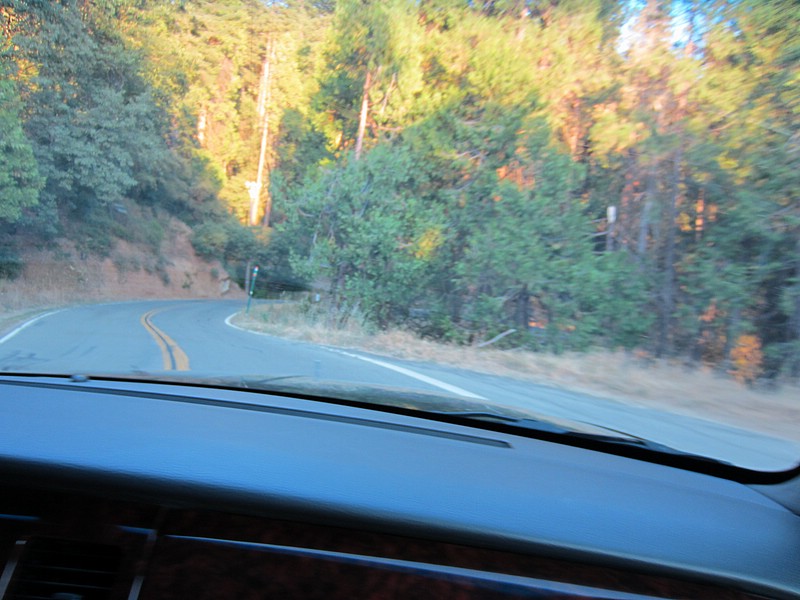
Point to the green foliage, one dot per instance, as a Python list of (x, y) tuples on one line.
[(551, 266), (98, 132), (20, 182), (226, 240), (11, 264), (495, 140), (515, 167), (361, 227), (210, 240)]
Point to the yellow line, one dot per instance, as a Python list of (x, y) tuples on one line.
[(172, 355), (145, 321), (181, 360)]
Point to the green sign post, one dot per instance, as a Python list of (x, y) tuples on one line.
[(252, 287)]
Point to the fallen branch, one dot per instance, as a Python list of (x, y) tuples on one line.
[(495, 338)]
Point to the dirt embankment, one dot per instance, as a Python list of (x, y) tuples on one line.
[(60, 274)]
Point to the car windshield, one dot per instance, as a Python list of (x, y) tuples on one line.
[(583, 214)]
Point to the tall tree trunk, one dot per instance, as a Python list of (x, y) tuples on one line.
[(645, 216), (668, 286), (628, 201), (522, 305), (335, 305), (385, 101), (202, 119), (794, 319), (263, 113), (265, 141), (362, 121), (263, 84), (611, 219)]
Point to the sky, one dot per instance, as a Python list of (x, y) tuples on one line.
[(680, 25)]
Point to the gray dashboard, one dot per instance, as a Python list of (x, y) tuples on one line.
[(257, 453)]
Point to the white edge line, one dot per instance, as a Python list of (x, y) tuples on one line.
[(453, 389), (230, 323), (10, 335)]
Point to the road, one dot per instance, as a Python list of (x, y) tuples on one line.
[(196, 338)]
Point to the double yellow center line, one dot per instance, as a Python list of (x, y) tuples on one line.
[(174, 357)]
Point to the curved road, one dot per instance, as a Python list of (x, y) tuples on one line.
[(196, 337)]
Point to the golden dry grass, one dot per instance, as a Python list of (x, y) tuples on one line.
[(670, 385)]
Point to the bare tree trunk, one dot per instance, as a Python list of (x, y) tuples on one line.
[(521, 18), (362, 122), (335, 306), (263, 113), (627, 205), (610, 231), (794, 319), (647, 210), (668, 289), (385, 101), (263, 84), (265, 141), (522, 306), (202, 119)]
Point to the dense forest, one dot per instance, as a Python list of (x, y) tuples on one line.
[(586, 173)]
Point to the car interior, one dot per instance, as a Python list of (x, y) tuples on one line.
[(118, 489)]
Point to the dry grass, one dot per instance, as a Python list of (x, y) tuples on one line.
[(620, 375)]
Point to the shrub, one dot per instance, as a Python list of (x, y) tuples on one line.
[(11, 263), (210, 240), (746, 359)]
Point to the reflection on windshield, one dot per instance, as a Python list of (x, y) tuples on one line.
[(583, 210)]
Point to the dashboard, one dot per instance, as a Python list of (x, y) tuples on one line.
[(123, 489)]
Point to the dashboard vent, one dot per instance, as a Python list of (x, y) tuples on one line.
[(65, 570)]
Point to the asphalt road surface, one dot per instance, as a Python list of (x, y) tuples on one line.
[(196, 338)]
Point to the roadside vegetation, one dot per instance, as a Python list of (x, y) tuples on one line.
[(633, 377), (556, 176)]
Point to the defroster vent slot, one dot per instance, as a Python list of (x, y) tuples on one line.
[(58, 569)]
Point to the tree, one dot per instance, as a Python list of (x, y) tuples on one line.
[(20, 182), (361, 229), (362, 56)]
